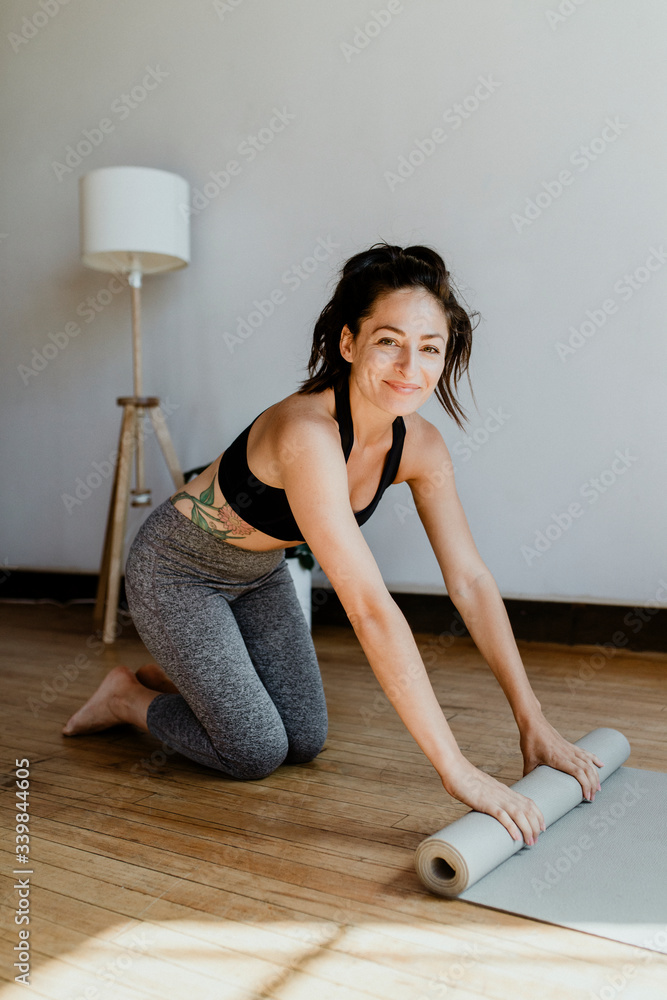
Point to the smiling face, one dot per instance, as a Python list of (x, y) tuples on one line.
[(399, 353)]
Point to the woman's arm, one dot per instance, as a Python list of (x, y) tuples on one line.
[(389, 645), (475, 595), (314, 477), (483, 611)]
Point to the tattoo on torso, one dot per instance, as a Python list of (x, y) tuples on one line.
[(222, 521)]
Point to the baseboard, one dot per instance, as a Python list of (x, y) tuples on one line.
[(616, 627), (637, 629)]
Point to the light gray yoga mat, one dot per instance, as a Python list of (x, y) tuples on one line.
[(600, 867)]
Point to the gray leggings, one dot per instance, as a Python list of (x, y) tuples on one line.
[(226, 627)]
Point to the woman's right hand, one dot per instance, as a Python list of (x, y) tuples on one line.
[(518, 814)]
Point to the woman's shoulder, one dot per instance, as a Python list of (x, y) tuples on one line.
[(301, 410), (296, 422), (424, 448)]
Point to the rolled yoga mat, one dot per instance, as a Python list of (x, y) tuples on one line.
[(600, 867)]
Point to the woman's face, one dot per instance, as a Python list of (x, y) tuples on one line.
[(399, 353)]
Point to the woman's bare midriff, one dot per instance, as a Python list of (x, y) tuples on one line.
[(222, 520), (218, 517)]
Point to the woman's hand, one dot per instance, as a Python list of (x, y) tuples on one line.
[(541, 744), (518, 814)]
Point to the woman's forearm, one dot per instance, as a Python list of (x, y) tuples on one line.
[(484, 613), (391, 650), (389, 645)]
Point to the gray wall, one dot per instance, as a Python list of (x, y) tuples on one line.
[(586, 255)]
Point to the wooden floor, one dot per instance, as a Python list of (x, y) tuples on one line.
[(155, 877)]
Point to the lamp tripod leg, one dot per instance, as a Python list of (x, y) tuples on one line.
[(111, 571), (165, 442), (117, 514), (102, 585)]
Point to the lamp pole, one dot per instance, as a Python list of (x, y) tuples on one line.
[(141, 495)]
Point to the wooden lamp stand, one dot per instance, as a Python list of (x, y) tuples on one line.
[(131, 444), (134, 221)]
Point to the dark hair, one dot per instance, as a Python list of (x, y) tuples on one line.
[(364, 278)]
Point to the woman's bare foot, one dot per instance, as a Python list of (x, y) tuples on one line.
[(152, 676), (119, 698)]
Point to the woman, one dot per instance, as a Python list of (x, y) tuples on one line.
[(211, 594)]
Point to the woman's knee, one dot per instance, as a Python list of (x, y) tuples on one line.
[(251, 762), (308, 744)]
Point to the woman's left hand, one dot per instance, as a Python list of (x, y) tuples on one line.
[(541, 744)]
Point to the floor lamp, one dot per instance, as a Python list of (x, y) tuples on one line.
[(133, 222)]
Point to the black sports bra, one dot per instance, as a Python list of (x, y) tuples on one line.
[(266, 507)]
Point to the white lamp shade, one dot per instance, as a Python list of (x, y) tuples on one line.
[(134, 218)]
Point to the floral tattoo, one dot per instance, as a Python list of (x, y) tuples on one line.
[(234, 526)]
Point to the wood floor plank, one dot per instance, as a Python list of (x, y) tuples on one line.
[(227, 794), (301, 885), (260, 853), (128, 962)]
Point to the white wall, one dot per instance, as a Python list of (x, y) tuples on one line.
[(556, 79)]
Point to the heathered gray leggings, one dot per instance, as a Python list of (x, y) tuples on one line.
[(226, 627)]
